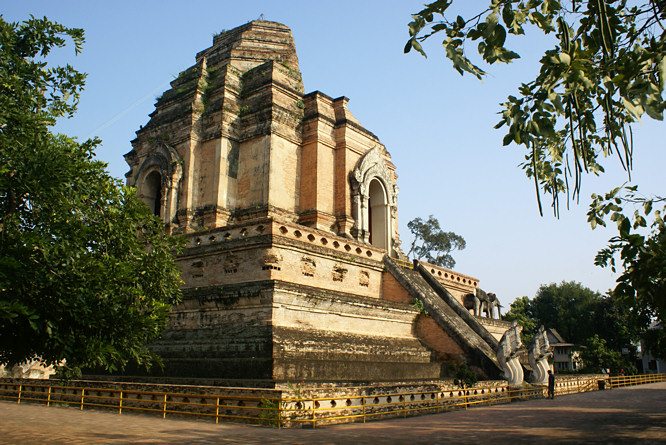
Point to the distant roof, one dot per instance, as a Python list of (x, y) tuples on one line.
[(556, 335)]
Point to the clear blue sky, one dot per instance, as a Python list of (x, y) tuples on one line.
[(437, 125)]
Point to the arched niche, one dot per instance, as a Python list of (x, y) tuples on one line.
[(374, 197), (152, 192), (378, 215), (158, 180)]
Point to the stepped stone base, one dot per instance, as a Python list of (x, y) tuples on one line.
[(282, 331)]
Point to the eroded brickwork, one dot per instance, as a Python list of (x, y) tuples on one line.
[(445, 347), (289, 207)]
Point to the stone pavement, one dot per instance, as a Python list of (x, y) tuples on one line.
[(624, 415)]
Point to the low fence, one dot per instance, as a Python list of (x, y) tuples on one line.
[(628, 380), (404, 264), (238, 404), (331, 410), (292, 408), (573, 384)]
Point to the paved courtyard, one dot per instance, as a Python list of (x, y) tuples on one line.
[(624, 415)]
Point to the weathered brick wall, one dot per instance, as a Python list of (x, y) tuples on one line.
[(281, 281), (394, 291), (496, 327), (272, 250), (446, 348)]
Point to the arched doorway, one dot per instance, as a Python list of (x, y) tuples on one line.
[(374, 197), (378, 215), (152, 192)]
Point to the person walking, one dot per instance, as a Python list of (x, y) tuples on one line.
[(551, 384)]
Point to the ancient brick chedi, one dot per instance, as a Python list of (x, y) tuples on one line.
[(289, 206)]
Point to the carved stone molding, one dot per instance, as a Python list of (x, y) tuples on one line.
[(509, 351), (308, 266), (539, 352), (231, 263), (271, 260), (339, 272), (364, 279)]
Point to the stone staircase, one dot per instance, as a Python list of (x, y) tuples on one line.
[(450, 315)]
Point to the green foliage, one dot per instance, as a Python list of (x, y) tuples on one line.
[(418, 304), (270, 411), (642, 284), (582, 317), (607, 68), (273, 411), (86, 271), (520, 311), (432, 243), (598, 355), (567, 307), (464, 377), (296, 390)]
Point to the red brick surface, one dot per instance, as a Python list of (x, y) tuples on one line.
[(393, 291), (430, 333)]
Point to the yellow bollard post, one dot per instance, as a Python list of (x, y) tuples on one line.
[(18, 401), (120, 402), (314, 418), (164, 405), (83, 391), (363, 404), (48, 397), (279, 410), (217, 410)]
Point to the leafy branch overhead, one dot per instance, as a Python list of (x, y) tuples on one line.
[(607, 69), (432, 243)]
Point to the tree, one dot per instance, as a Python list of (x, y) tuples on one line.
[(598, 355), (606, 70), (432, 243), (582, 317), (568, 307), (642, 284), (520, 311), (86, 271)]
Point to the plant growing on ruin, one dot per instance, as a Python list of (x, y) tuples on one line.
[(418, 305), (273, 411), (86, 271), (433, 244), (269, 411), (300, 404), (464, 377)]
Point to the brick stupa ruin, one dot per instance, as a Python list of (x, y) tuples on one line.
[(293, 268)]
